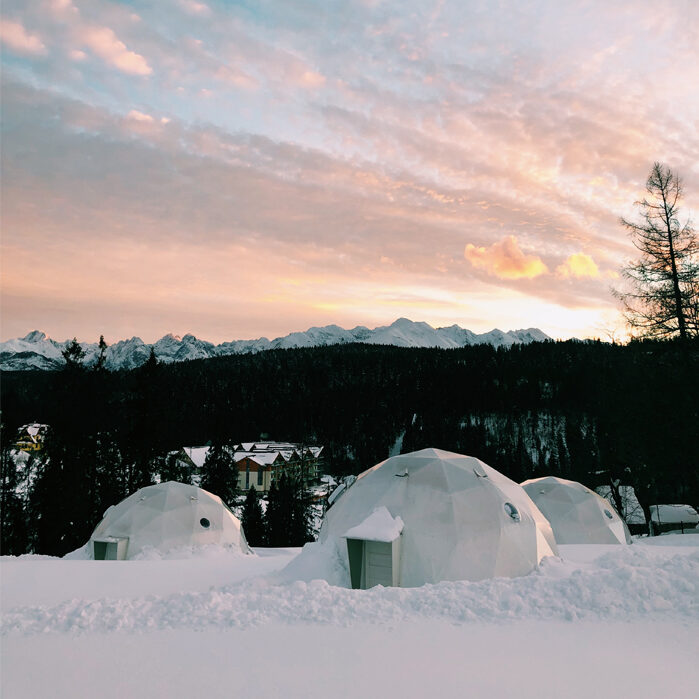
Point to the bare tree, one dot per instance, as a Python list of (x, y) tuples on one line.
[(661, 299)]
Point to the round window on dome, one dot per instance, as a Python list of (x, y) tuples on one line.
[(511, 510), (204, 522), (609, 514)]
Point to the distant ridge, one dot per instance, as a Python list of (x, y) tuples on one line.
[(36, 351)]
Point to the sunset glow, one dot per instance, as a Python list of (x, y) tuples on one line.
[(246, 170)]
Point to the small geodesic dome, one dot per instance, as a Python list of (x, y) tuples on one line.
[(434, 515), (577, 514), (164, 517)]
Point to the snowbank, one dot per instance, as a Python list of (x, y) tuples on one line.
[(636, 582)]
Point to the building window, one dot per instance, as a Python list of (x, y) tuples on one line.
[(260, 475), (247, 476)]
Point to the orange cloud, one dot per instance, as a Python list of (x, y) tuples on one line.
[(504, 259), (105, 44), (16, 37), (578, 266)]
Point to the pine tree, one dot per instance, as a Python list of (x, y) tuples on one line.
[(102, 356), (253, 519), (277, 522), (74, 355), (219, 473), (662, 299), (14, 539), (288, 513), (61, 508)]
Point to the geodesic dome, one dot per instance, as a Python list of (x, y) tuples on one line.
[(454, 517), (577, 514), (167, 516)]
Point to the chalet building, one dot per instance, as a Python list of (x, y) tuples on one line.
[(31, 437), (259, 463)]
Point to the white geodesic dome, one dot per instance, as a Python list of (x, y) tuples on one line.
[(459, 518), (577, 514), (170, 516)]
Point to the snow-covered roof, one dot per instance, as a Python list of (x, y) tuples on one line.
[(674, 514), (263, 453), (197, 455), (264, 459), (34, 431)]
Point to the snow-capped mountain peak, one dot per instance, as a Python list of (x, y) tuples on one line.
[(36, 351), (34, 336)]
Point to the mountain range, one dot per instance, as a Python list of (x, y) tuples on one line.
[(36, 351)]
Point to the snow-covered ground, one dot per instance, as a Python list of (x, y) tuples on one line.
[(601, 621)]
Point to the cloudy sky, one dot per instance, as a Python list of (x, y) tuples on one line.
[(238, 169)]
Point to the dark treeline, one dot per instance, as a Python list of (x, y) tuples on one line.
[(590, 411)]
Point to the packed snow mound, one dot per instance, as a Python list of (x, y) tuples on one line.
[(577, 514), (622, 584), (461, 519), (161, 519)]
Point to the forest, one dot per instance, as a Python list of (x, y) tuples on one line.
[(599, 413)]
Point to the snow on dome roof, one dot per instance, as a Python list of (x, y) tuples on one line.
[(577, 514), (171, 515), (378, 526), (462, 519)]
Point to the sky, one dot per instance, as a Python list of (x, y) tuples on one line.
[(246, 169)]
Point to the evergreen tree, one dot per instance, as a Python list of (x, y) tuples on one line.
[(74, 355), (219, 473), (253, 519), (278, 521), (662, 299), (102, 356), (171, 468), (61, 507), (288, 513), (14, 536)]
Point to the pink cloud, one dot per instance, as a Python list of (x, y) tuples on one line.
[(505, 260), (17, 39), (104, 43)]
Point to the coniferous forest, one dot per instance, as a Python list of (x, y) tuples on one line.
[(602, 414)]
